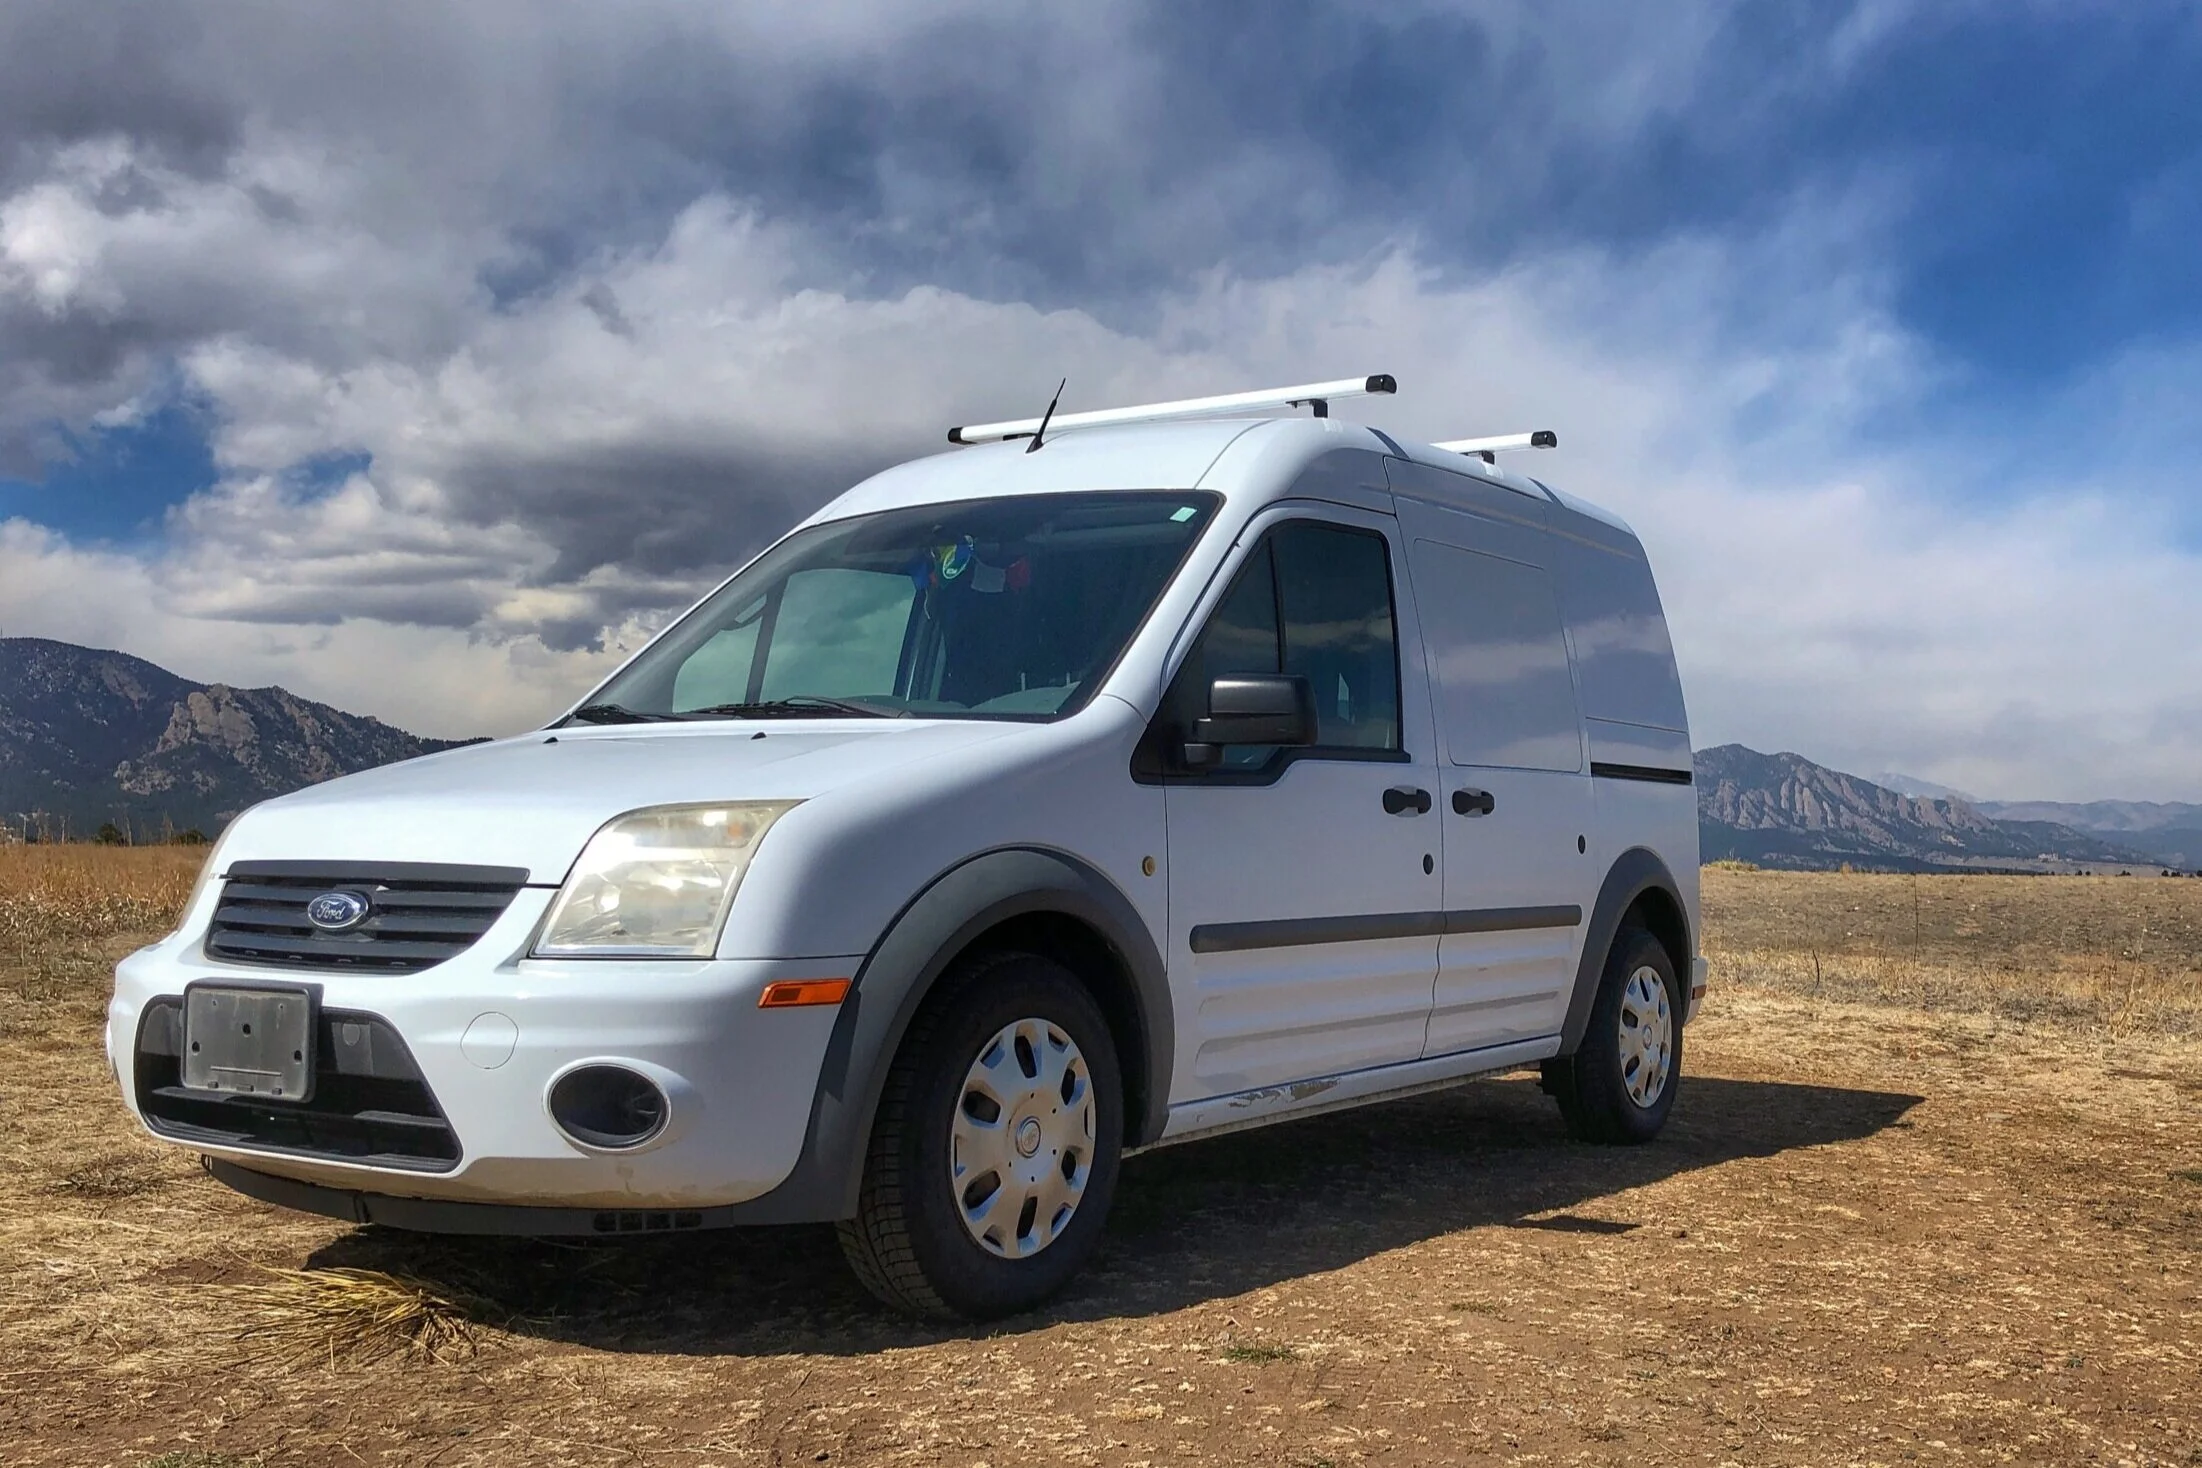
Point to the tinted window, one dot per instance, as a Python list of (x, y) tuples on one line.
[(1315, 600), (1335, 589)]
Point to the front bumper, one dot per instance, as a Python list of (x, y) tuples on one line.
[(1700, 970), (740, 1079)]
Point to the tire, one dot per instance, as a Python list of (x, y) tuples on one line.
[(910, 1243), (1610, 1090)]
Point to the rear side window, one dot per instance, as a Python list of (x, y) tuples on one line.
[(1315, 600), (1505, 694)]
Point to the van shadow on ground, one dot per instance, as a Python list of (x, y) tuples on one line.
[(1194, 1223)]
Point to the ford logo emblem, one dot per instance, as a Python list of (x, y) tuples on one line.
[(335, 912)]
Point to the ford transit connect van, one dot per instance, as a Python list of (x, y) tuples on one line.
[(1026, 806)]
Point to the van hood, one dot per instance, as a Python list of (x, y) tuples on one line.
[(534, 801)]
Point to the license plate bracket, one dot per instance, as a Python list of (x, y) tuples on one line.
[(256, 1041)]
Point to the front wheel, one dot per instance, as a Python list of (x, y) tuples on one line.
[(995, 1151), (1620, 1085)]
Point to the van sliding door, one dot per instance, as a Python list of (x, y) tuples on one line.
[(1516, 800)]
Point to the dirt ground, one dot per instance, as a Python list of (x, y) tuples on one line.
[(1875, 1232)]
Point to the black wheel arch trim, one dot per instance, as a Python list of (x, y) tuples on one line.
[(1633, 873), (925, 937)]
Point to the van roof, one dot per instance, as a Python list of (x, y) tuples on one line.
[(1265, 457)]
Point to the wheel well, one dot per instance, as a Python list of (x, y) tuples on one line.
[(1656, 911), (1081, 948)]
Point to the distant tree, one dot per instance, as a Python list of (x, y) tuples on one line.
[(191, 836), (110, 834)]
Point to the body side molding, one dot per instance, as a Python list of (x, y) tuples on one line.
[(1367, 927)]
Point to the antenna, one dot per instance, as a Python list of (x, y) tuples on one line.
[(1039, 435), (1488, 449), (1318, 394)]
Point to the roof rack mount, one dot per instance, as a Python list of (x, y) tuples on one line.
[(1488, 449), (1315, 394)]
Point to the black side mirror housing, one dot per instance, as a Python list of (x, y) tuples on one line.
[(1253, 708)]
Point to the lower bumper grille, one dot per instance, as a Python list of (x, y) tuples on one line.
[(370, 1103)]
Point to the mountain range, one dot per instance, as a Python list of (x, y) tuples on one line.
[(1784, 810), (90, 737)]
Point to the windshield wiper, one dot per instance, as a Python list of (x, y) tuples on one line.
[(795, 706), (614, 713)]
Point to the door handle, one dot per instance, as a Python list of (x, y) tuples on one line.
[(1473, 803), (1405, 800)]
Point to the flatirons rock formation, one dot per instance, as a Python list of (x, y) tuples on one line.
[(1784, 810)]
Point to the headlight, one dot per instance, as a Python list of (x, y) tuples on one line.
[(656, 883)]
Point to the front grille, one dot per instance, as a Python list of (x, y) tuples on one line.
[(370, 1103), (418, 913)]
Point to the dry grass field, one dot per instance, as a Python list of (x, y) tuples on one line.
[(1933, 1194)]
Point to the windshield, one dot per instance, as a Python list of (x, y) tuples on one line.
[(999, 608)]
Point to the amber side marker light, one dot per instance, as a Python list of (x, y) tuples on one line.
[(788, 993)]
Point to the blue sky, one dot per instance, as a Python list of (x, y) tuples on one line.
[(333, 339)]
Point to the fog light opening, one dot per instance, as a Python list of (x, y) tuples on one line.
[(608, 1106)]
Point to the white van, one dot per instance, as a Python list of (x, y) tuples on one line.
[(1028, 805)]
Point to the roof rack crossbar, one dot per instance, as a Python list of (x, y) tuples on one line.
[(1487, 449), (1316, 394)]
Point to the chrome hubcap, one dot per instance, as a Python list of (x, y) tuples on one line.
[(1021, 1148), (1647, 1036)]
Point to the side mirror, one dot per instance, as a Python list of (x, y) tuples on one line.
[(1253, 708)]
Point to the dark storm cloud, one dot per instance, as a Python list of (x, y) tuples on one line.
[(660, 515), (71, 71)]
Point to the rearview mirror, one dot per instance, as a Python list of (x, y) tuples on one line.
[(1253, 708)]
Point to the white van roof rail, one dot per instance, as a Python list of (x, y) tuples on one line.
[(1487, 449), (1315, 394)]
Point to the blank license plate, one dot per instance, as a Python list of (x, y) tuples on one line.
[(249, 1042)]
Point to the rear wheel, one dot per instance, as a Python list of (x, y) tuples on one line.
[(1620, 1085), (995, 1151)]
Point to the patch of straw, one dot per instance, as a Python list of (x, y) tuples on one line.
[(110, 1177), (52, 895), (355, 1315)]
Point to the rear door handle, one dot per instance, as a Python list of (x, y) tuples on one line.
[(1473, 803), (1405, 800)]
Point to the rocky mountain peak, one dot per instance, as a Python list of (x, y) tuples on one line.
[(88, 736)]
